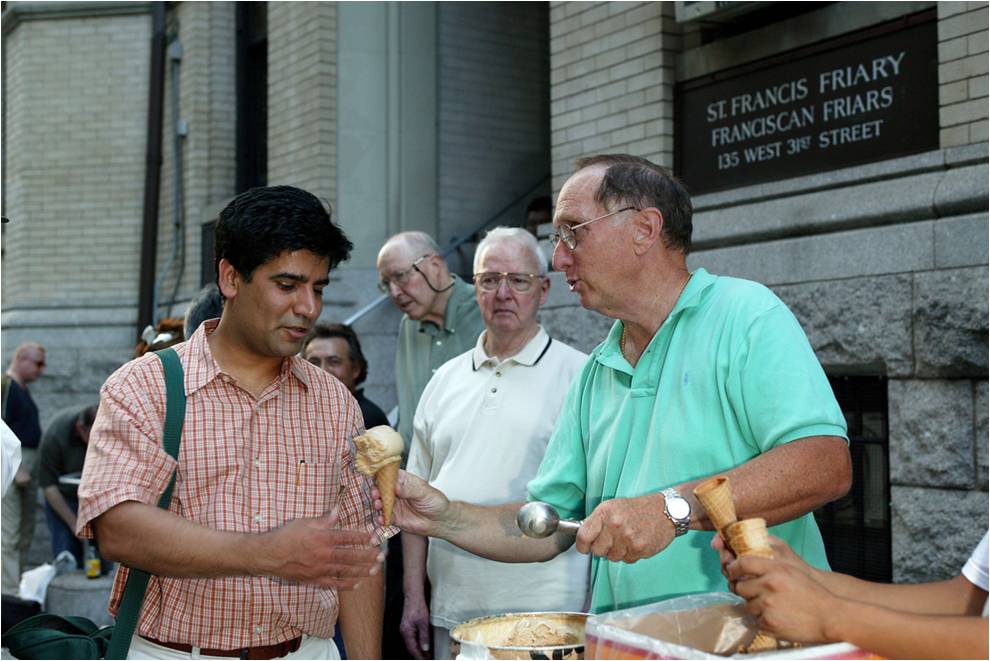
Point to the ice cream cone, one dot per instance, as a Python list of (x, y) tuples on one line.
[(715, 496), (749, 537), (385, 480), (762, 642)]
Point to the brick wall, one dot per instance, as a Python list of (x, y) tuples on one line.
[(302, 94), (494, 142), (611, 81), (74, 112), (962, 72)]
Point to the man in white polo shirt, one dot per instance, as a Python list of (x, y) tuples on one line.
[(479, 435)]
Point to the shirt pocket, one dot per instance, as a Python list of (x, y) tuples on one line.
[(306, 489)]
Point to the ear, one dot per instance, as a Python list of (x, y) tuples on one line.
[(229, 279), (546, 289), (647, 229)]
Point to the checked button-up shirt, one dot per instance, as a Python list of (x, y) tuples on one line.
[(246, 465)]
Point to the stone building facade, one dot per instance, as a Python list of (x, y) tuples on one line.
[(446, 116)]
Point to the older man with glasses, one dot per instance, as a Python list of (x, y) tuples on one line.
[(479, 435), (700, 376)]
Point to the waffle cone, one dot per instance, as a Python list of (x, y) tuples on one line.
[(762, 642), (750, 537), (385, 480), (715, 496)]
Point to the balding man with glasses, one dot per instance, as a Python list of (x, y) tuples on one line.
[(479, 435), (701, 375)]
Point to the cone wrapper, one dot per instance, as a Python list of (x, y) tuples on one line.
[(385, 480), (715, 496)]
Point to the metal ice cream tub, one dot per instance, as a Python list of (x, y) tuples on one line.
[(551, 635)]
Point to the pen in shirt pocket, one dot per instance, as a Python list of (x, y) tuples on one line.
[(299, 471)]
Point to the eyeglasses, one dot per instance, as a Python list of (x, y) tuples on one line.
[(519, 282), (401, 279), (566, 234), (325, 361)]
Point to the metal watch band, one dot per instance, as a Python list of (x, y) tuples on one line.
[(681, 525)]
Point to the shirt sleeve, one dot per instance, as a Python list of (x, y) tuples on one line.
[(777, 386), (976, 568), (562, 479), (49, 465), (125, 459)]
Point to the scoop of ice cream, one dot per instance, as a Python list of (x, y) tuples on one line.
[(377, 447)]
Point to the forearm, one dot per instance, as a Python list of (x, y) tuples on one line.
[(361, 617), (955, 596), (492, 532), (161, 543), (58, 503), (414, 550), (897, 635), (784, 483)]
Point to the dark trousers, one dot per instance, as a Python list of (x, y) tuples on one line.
[(64, 539)]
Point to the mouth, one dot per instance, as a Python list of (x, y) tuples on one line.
[(297, 332), (572, 283)]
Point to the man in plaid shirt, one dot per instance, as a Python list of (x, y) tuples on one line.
[(270, 532)]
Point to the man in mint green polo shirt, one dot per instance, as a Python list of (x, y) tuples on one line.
[(699, 376)]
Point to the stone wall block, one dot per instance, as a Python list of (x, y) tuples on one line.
[(582, 329), (934, 531), (962, 190), (950, 323), (861, 322), (981, 432), (931, 433)]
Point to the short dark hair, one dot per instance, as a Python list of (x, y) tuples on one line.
[(207, 304), (327, 331), (261, 223), (87, 416), (631, 180)]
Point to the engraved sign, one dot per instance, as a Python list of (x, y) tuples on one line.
[(861, 98)]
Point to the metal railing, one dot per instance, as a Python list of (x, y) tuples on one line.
[(454, 245)]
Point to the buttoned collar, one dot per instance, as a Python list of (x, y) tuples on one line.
[(529, 355), (202, 367)]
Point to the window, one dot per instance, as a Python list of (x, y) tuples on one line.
[(856, 528), (252, 95)]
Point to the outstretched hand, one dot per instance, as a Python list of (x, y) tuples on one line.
[(626, 529), (317, 551), (781, 552), (419, 508)]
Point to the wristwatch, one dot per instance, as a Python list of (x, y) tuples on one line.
[(677, 510)]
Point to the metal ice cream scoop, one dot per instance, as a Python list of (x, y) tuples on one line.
[(541, 520)]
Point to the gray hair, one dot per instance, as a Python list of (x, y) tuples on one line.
[(208, 304), (521, 237), (418, 243)]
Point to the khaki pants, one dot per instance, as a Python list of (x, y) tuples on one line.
[(17, 525)]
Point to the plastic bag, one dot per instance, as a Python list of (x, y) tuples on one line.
[(34, 583)]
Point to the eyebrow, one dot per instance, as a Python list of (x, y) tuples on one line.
[(285, 275)]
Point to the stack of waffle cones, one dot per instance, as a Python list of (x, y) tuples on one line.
[(746, 537)]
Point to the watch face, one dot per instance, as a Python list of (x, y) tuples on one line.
[(678, 508)]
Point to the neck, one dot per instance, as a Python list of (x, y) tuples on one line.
[(439, 308), (503, 347), (251, 371), (12, 374), (649, 310)]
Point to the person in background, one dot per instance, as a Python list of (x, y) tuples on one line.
[(481, 429), (700, 375), (63, 452), (539, 212), (803, 604), (207, 304), (335, 348), (165, 333), (19, 503), (441, 320), (270, 534)]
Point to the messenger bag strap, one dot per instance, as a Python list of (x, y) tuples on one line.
[(137, 580)]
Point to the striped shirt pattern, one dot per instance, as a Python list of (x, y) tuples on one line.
[(245, 465)]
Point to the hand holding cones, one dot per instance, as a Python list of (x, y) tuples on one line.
[(379, 453), (750, 537)]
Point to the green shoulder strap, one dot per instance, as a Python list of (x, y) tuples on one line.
[(137, 581)]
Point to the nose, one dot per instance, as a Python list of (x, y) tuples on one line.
[(561, 257), (308, 303), (503, 290), (393, 289)]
